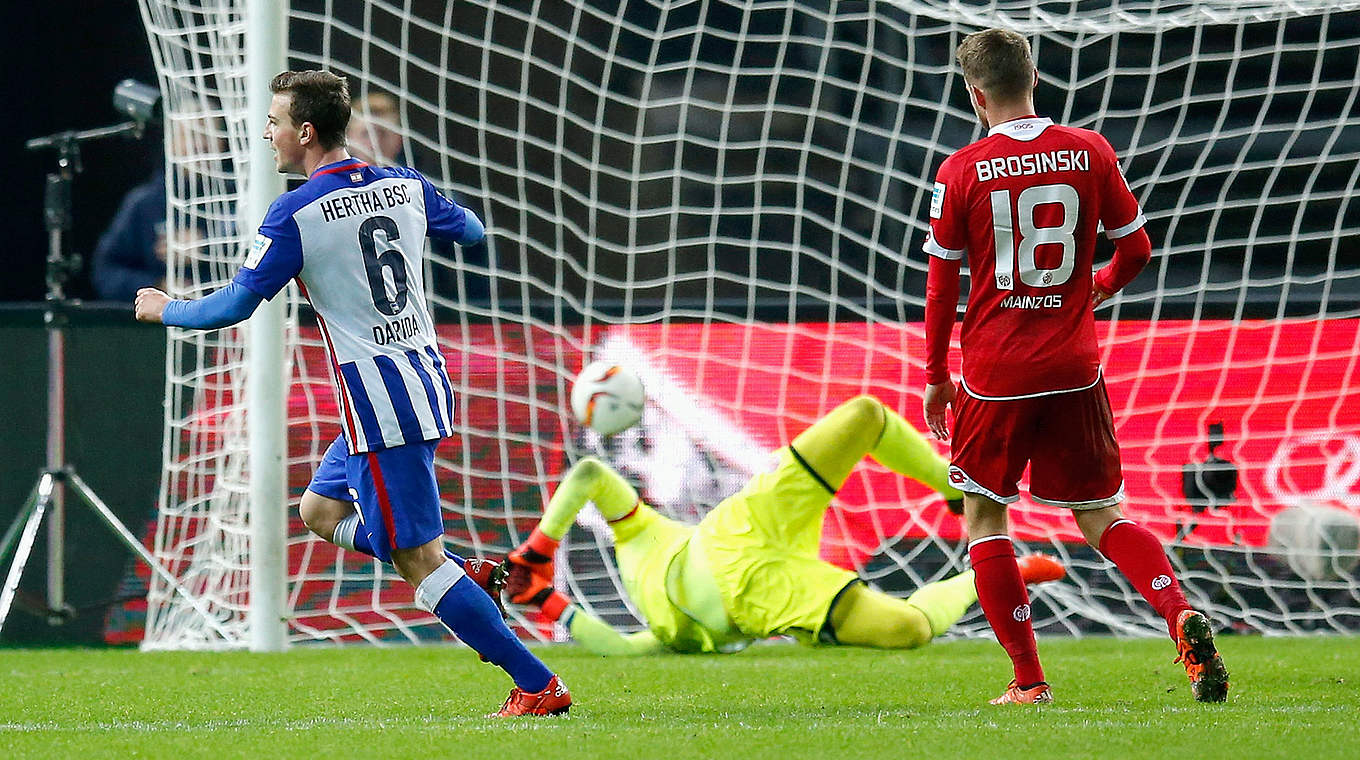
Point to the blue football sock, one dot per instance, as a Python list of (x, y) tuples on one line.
[(474, 619)]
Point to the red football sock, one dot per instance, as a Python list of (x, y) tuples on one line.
[(1140, 557), (1001, 592)]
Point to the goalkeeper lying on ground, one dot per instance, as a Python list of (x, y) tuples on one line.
[(749, 569)]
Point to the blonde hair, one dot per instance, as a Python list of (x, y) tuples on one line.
[(378, 106), (998, 62)]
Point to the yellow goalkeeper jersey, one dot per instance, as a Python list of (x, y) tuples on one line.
[(667, 576)]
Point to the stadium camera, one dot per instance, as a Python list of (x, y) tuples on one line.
[(1212, 483), (140, 102)]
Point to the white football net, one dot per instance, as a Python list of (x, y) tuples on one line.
[(730, 198)]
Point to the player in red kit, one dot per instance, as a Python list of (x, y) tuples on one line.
[(1024, 205)]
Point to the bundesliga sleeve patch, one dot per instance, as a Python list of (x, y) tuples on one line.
[(257, 251), (937, 201)]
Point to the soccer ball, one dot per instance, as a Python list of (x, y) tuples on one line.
[(607, 397), (1318, 541)]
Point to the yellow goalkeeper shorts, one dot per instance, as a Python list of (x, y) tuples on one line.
[(761, 544)]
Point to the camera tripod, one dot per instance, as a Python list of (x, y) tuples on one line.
[(48, 497)]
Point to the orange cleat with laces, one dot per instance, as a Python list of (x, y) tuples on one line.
[(1196, 651), (553, 700), (1038, 694)]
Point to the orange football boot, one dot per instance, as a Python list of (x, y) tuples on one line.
[(1038, 694), (1041, 568), (1196, 651), (553, 700)]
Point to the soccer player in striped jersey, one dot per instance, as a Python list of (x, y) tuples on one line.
[(353, 237), (750, 569), (1023, 204)]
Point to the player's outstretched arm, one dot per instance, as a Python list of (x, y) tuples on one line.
[(600, 638), (594, 634), (448, 220), (223, 308), (589, 480)]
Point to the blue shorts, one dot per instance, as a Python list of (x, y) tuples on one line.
[(394, 490)]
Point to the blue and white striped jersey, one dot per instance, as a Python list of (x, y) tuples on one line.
[(354, 236)]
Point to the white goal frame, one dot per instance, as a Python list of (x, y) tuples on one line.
[(231, 477)]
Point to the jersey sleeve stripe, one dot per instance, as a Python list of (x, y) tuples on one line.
[(1127, 229), (363, 407), (400, 396), (935, 249), (431, 395)]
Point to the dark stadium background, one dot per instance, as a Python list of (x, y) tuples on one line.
[(64, 58), (61, 60)]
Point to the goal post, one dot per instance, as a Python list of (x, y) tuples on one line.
[(267, 373), (730, 196)]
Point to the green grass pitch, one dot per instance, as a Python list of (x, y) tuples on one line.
[(1291, 698)]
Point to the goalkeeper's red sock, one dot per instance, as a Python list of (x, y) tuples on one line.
[(1140, 557), (1002, 595)]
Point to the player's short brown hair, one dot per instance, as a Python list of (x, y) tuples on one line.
[(319, 97), (998, 62)]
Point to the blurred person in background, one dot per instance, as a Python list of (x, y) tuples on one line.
[(132, 251), (374, 135)]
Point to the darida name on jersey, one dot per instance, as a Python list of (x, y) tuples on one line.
[(1033, 163), (396, 330)]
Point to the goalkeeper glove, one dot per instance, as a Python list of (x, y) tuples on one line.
[(535, 555), (526, 587)]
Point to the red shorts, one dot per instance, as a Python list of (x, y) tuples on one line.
[(1067, 439)]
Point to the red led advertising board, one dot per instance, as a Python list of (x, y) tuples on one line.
[(721, 396)]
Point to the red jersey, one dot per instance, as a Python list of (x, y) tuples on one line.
[(1024, 204)]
